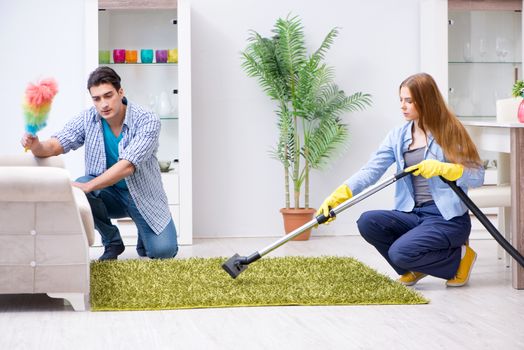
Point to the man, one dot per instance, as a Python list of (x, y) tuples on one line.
[(122, 173)]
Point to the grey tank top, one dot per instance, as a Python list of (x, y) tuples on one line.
[(420, 184)]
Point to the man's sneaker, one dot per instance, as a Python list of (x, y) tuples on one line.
[(141, 252), (111, 252), (464, 269), (411, 277)]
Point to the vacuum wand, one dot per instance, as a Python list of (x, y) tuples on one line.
[(515, 254), (235, 265)]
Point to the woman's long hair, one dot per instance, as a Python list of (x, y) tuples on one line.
[(435, 117)]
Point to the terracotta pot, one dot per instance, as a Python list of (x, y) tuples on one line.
[(294, 218), (520, 112)]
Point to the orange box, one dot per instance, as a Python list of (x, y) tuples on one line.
[(131, 56)]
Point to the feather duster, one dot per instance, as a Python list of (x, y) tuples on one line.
[(37, 104)]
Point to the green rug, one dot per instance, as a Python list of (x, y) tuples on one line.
[(201, 283)]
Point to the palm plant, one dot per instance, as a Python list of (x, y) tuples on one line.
[(309, 104)]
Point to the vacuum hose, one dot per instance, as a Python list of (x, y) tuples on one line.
[(515, 254)]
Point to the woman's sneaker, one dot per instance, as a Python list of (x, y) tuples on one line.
[(411, 277), (464, 269)]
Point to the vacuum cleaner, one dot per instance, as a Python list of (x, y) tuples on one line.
[(235, 265)]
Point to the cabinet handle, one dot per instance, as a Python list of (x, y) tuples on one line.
[(175, 91), (174, 22)]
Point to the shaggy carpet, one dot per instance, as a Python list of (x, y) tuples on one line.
[(201, 283)]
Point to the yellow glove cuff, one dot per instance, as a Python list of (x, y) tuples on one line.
[(341, 194), (453, 172), (432, 167)]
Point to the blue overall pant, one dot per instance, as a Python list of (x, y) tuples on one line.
[(421, 240)]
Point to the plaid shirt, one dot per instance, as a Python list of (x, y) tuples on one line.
[(139, 145)]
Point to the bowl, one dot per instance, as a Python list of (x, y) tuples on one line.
[(164, 165)]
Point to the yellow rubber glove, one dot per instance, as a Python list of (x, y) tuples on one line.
[(341, 194), (432, 167)]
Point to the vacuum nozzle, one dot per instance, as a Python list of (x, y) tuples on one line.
[(234, 265)]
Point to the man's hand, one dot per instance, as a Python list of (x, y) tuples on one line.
[(29, 141), (432, 167), (47, 148), (120, 170), (341, 194), (85, 187)]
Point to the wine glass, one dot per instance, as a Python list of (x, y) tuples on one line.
[(501, 48), (153, 100), (482, 49), (468, 57)]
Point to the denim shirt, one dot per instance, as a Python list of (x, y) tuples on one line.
[(392, 151), (139, 144)]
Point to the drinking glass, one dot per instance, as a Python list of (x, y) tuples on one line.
[(161, 56), (146, 56), (119, 55)]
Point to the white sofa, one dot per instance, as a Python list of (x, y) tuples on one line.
[(46, 228)]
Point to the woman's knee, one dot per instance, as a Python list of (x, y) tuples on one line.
[(366, 223), (400, 256)]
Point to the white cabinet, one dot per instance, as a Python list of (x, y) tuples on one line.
[(162, 87), (484, 57), (171, 183), (152, 85), (137, 4)]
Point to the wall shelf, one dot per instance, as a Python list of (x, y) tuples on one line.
[(485, 62), (139, 64)]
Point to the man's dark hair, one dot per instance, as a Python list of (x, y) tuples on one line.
[(103, 75)]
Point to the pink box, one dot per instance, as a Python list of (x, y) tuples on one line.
[(119, 55)]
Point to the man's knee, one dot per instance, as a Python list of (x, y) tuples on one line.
[(85, 178), (163, 252)]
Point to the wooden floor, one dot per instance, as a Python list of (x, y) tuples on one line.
[(486, 314)]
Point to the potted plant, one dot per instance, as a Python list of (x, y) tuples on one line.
[(518, 91), (309, 106)]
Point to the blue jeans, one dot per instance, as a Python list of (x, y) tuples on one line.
[(421, 240), (114, 203)]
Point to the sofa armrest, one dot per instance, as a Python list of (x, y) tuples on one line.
[(85, 214), (28, 159)]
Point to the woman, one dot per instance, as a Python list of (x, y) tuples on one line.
[(427, 231)]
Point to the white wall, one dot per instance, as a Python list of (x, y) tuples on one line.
[(42, 39), (237, 187)]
